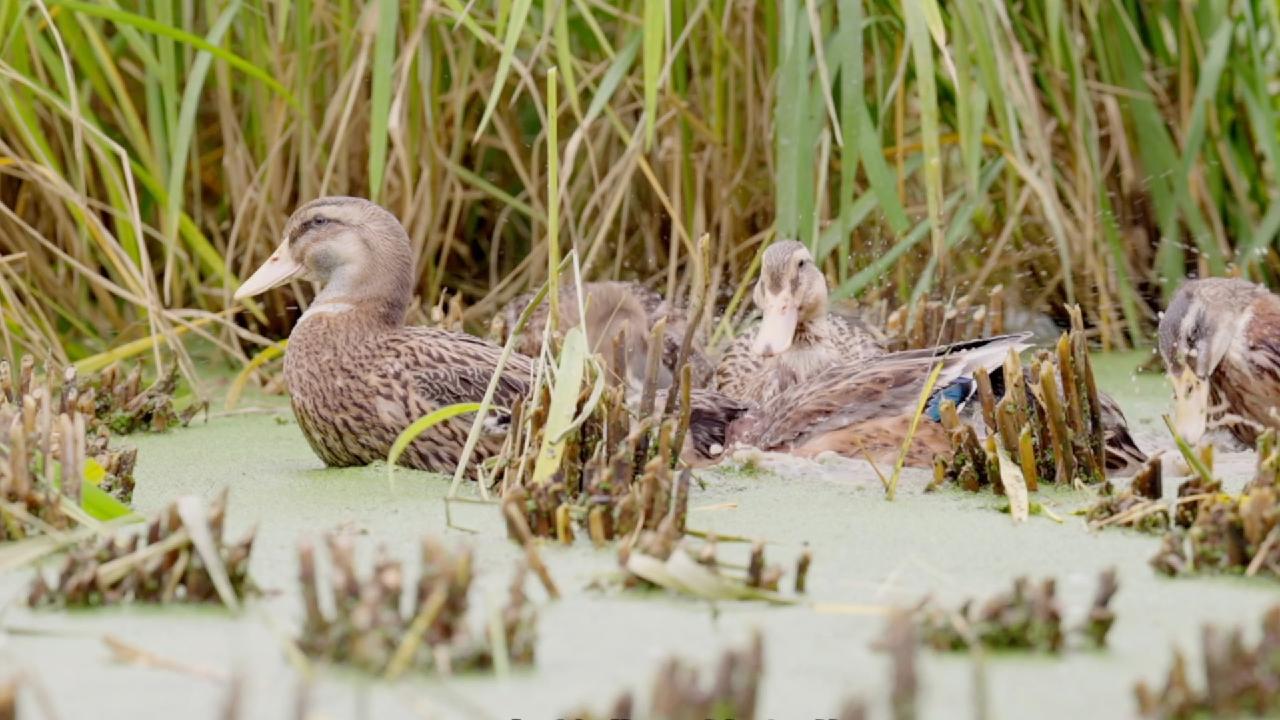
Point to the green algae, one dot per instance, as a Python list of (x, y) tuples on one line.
[(869, 554)]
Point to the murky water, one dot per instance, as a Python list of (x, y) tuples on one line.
[(868, 553)]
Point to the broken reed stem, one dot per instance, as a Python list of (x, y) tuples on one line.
[(517, 521), (1063, 457)]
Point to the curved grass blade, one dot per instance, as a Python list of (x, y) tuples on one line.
[(384, 49), (564, 402), (891, 489), (654, 31), (94, 363), (618, 69), (515, 24), (421, 425), (922, 56), (117, 15), (181, 141), (265, 356)]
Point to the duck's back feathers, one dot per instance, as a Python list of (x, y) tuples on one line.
[(846, 397), (745, 375), (354, 390), (614, 299)]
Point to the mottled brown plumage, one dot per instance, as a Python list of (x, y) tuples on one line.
[(612, 307), (1220, 341), (357, 376), (865, 408), (797, 337)]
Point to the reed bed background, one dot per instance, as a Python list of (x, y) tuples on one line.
[(1094, 151)]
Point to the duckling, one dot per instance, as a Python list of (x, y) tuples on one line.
[(356, 374), (797, 337), (866, 408), (612, 305), (1220, 341)]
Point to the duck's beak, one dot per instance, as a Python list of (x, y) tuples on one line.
[(1190, 405), (279, 269), (777, 328)]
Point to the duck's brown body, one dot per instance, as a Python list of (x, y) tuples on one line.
[(356, 383), (866, 409), (357, 375), (745, 375), (612, 301)]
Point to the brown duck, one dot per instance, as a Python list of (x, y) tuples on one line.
[(1220, 341), (614, 306), (797, 337), (865, 409), (357, 375)]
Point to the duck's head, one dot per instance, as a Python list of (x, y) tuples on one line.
[(791, 292), (355, 249), (1195, 334)]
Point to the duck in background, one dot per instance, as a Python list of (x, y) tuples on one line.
[(1220, 341), (797, 336), (614, 305), (799, 339), (865, 409), (356, 374)]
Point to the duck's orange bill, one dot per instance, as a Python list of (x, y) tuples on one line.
[(1190, 405), (279, 269), (777, 329)]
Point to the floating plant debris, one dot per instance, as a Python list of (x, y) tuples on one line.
[(1048, 421), (1239, 680), (367, 630), (660, 558), (1138, 506), (123, 405), (900, 642), (1217, 532), (1029, 617), (678, 692), (52, 457), (180, 556)]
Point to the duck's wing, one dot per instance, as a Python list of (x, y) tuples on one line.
[(445, 368), (740, 371), (857, 339), (852, 393)]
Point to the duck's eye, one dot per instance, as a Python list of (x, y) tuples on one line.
[(319, 222)]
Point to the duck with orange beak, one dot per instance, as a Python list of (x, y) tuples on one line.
[(1220, 341)]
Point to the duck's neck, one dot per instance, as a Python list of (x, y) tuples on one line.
[(379, 302), (815, 331)]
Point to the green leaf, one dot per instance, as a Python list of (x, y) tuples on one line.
[(655, 29), (117, 15), (922, 56), (618, 69), (564, 402), (421, 425), (793, 143), (384, 55), (515, 24), (97, 502), (1207, 87), (181, 142)]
